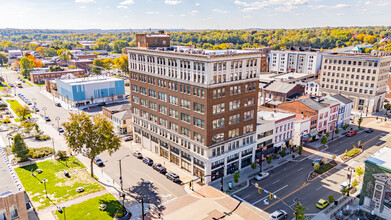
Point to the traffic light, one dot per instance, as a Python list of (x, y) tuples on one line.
[(348, 176), (60, 210), (259, 190), (190, 184), (271, 196)]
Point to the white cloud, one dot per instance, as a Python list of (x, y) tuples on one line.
[(197, 4), (183, 15), (122, 6), (338, 6), (84, 1), (82, 7), (278, 5), (193, 12), (340, 14), (152, 12), (127, 2), (220, 11), (172, 2)]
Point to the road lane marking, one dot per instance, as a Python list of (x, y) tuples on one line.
[(319, 188), (275, 182), (273, 193), (156, 182), (301, 187), (301, 169)]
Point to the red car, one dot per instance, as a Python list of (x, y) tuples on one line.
[(351, 133)]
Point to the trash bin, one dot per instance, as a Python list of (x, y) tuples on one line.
[(293, 156), (335, 202)]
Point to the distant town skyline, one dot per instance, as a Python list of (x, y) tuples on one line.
[(187, 14)]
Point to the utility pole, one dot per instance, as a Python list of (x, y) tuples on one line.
[(54, 151)]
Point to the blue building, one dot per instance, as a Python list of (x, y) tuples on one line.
[(344, 110), (89, 90)]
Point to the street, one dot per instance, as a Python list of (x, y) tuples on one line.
[(289, 181)]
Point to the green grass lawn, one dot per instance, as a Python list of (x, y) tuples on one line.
[(14, 105), (59, 187), (90, 209)]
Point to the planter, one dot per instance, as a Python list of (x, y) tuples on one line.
[(125, 217)]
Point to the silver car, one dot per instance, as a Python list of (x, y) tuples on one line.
[(279, 214), (261, 176)]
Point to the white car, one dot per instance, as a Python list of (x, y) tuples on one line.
[(344, 184), (261, 176), (279, 214)]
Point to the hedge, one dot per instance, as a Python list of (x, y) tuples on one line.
[(40, 152), (324, 168), (42, 137)]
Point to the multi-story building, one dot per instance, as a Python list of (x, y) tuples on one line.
[(298, 60), (13, 203), (196, 108), (312, 88), (278, 92), (361, 78), (331, 116), (41, 77), (265, 136), (344, 111)]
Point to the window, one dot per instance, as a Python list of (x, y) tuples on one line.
[(198, 122), (218, 123), (163, 109), (14, 212), (233, 105), (249, 101), (162, 97), (153, 118), (135, 99), (248, 128), (185, 103), (218, 93), (163, 122), (198, 137), (219, 108), (233, 133), (173, 100), (185, 117), (143, 90), (249, 115), (144, 102), (153, 106), (198, 107), (134, 88), (173, 126), (218, 138), (233, 90), (173, 113), (185, 131), (233, 119), (152, 93)]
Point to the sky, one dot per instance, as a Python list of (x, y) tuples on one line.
[(191, 14)]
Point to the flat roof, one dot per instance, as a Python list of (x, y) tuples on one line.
[(382, 158), (9, 181), (65, 71), (90, 80), (267, 77), (273, 116)]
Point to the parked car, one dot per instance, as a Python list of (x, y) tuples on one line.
[(102, 104), (322, 203), (129, 138), (98, 161), (261, 176), (47, 119), (137, 154), (148, 161), (60, 129), (160, 169), (318, 160), (172, 176), (278, 215), (369, 130), (58, 104), (351, 133), (155, 165), (28, 102)]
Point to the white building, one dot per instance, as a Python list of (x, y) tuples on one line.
[(123, 121), (301, 127), (283, 61), (265, 135), (283, 123), (312, 88)]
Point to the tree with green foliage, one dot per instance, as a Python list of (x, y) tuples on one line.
[(23, 111), (359, 122), (331, 199), (122, 64), (316, 166), (359, 171), (236, 176), (3, 59), (345, 126), (336, 131), (19, 148), (98, 66), (269, 159), (298, 211), (300, 150), (119, 44), (41, 51), (26, 66), (51, 52), (95, 136), (354, 183), (64, 54), (254, 165), (323, 140)]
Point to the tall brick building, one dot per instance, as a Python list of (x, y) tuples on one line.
[(196, 108)]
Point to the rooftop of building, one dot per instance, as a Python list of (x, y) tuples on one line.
[(89, 80), (286, 77), (382, 158), (342, 98), (126, 114), (117, 108), (183, 50), (66, 71), (356, 55), (272, 116), (9, 181), (298, 49), (281, 87), (312, 104)]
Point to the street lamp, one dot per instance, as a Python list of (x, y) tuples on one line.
[(44, 182), (61, 210), (58, 124), (44, 110), (120, 172)]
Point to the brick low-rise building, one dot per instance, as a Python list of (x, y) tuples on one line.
[(279, 92), (41, 77)]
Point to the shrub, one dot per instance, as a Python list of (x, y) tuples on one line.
[(352, 152), (345, 127), (337, 131), (331, 199), (236, 176), (40, 152), (354, 183), (323, 140), (61, 154), (42, 137), (282, 153), (300, 150), (316, 166), (269, 159), (254, 165), (324, 168)]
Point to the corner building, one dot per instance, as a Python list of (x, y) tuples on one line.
[(196, 108)]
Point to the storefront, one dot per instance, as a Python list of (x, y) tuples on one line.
[(232, 167)]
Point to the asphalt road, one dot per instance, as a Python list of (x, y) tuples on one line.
[(289, 181)]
